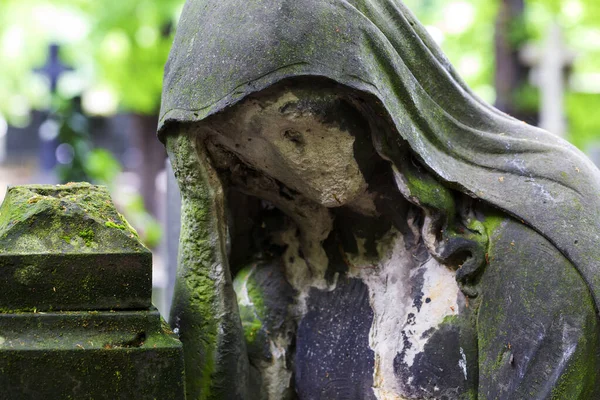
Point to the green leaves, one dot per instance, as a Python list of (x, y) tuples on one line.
[(132, 44), (120, 47), (116, 46), (102, 166)]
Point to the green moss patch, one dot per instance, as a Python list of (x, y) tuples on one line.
[(64, 218)]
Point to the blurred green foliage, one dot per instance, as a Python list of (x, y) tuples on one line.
[(471, 51), (584, 119), (99, 166), (130, 43), (119, 48), (73, 134)]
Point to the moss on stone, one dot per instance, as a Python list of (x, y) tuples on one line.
[(491, 224), (66, 218), (69, 355), (110, 224), (471, 394), (195, 309), (88, 236), (253, 311), (429, 192), (450, 320), (28, 274), (577, 381), (525, 290)]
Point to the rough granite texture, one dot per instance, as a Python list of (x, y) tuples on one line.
[(89, 355)]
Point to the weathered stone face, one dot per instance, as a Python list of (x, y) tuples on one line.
[(298, 141), (378, 297), (351, 308), (76, 319)]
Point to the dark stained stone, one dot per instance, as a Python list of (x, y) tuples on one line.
[(333, 358), (80, 355), (76, 320)]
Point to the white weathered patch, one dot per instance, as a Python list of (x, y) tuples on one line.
[(390, 300), (462, 363), (304, 273), (441, 288), (381, 394), (243, 296), (389, 289), (542, 192), (277, 377)]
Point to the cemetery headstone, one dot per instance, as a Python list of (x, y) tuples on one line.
[(75, 314), (53, 70), (551, 65), (356, 224)]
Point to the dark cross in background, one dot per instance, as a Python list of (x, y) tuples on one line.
[(53, 69)]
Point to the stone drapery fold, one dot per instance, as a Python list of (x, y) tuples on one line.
[(227, 50)]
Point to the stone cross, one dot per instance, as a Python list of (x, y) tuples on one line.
[(53, 68), (550, 64)]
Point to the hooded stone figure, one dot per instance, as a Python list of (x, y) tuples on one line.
[(388, 234)]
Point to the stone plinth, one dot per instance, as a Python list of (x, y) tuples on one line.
[(67, 248), (76, 320)]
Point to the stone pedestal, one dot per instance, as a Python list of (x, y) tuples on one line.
[(76, 321)]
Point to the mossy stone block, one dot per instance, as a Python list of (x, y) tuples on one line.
[(89, 355), (67, 248)]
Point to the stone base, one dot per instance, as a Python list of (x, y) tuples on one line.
[(75, 282), (89, 355)]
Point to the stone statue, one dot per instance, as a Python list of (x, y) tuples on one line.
[(357, 224)]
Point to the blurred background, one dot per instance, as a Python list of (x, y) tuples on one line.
[(80, 85)]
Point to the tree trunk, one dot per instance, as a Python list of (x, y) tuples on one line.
[(511, 74), (143, 136)]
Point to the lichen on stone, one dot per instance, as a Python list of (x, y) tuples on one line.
[(69, 218)]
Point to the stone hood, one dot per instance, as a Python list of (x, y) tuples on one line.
[(226, 50)]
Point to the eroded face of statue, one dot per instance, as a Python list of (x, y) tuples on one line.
[(357, 273), (305, 139), (354, 302)]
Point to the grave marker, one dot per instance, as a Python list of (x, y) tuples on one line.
[(75, 314), (550, 64)]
